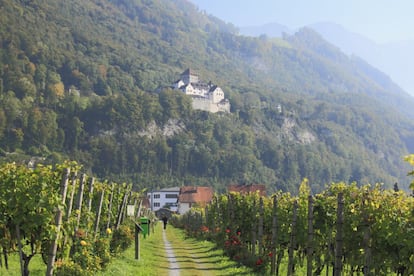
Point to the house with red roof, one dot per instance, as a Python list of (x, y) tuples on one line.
[(246, 189), (191, 196)]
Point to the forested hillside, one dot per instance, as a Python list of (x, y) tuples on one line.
[(85, 80)]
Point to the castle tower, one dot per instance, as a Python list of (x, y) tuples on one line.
[(189, 76)]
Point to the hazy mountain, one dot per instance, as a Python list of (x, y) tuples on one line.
[(87, 80), (394, 58), (271, 29)]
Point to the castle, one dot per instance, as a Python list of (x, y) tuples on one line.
[(205, 96)]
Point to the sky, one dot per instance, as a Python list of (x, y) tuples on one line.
[(379, 20)]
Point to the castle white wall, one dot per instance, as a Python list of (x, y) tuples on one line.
[(203, 98)]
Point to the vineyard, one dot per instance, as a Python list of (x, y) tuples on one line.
[(345, 230), (74, 221), (76, 224)]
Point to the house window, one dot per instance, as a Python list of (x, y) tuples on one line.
[(157, 204), (157, 196), (171, 196)]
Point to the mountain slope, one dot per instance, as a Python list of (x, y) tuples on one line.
[(79, 81), (395, 58)]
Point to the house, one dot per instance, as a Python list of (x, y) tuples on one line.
[(246, 189), (164, 198), (194, 196), (205, 96)]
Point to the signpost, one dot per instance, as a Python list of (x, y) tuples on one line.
[(131, 214)]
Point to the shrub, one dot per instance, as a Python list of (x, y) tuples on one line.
[(83, 255), (69, 268), (102, 250), (121, 239)]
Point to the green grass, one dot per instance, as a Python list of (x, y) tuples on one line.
[(153, 260), (36, 266)]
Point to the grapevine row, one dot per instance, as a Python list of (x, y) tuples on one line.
[(345, 229), (68, 217)]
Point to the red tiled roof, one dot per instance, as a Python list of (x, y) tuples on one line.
[(245, 189), (191, 194)]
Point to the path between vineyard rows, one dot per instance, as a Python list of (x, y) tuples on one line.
[(185, 257), (191, 257)]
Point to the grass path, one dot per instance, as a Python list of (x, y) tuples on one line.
[(200, 258), (174, 267), (188, 257)]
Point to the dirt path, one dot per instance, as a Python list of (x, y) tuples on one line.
[(190, 257), (186, 257), (174, 267)]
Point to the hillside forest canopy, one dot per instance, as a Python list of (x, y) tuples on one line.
[(89, 81)]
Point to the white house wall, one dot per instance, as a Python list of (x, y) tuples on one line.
[(183, 208), (159, 199)]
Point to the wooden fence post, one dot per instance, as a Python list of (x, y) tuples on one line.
[(58, 222), (292, 242), (338, 238)]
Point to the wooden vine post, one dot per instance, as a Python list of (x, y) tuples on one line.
[(90, 193), (138, 213), (253, 242), (20, 246), (111, 197), (366, 239), (338, 238), (78, 206), (121, 210), (98, 213), (72, 195), (292, 242), (70, 204), (260, 229), (90, 197), (274, 236), (58, 222), (309, 251)]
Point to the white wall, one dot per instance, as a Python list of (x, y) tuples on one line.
[(183, 208), (159, 199)]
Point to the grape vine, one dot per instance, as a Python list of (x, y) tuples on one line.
[(34, 217), (376, 236)]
